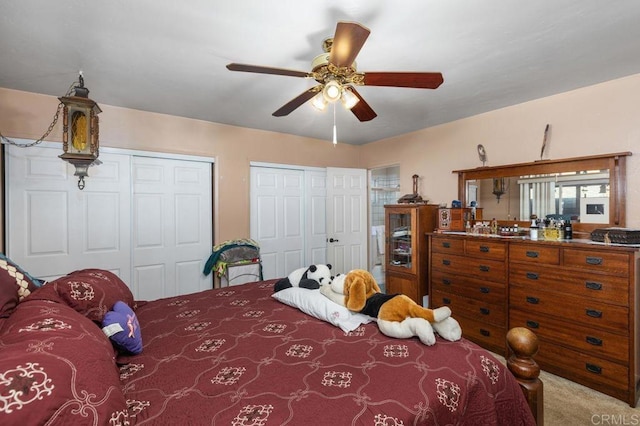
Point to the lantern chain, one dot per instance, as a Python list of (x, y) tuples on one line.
[(6, 140)]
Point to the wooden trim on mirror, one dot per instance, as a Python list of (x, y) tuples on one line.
[(616, 163)]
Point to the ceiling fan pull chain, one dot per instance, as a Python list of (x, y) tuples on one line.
[(335, 132)]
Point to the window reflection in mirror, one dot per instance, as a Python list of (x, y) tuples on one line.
[(582, 197), (590, 191)]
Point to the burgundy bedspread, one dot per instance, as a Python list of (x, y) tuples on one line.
[(236, 356)]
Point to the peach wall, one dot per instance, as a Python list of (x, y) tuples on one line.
[(27, 115), (593, 120)]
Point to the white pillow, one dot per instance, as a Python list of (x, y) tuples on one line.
[(314, 303)]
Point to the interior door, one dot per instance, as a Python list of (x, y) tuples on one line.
[(52, 227), (347, 219), (277, 223), (172, 235), (156, 237), (315, 215)]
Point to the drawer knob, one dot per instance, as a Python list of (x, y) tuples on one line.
[(484, 249), (591, 285), (533, 300), (445, 281), (484, 290), (446, 300), (594, 260), (594, 341), (484, 268), (533, 254), (594, 313), (446, 262), (593, 368), (532, 275), (485, 311), (446, 244), (485, 333), (532, 324)]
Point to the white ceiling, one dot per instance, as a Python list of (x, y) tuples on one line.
[(170, 56)]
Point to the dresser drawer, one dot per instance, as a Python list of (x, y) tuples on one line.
[(611, 263), (486, 291), (580, 310), (533, 253), (485, 249), (606, 376), (460, 305), (591, 341), (447, 245), (493, 270), (488, 336), (612, 289)]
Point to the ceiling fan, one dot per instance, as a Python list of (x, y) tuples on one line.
[(335, 71)]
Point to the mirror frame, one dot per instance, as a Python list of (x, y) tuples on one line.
[(616, 163)]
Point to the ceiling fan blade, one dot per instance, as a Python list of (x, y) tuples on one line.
[(266, 70), (294, 103), (362, 110), (347, 42), (418, 80)]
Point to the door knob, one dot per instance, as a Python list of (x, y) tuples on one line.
[(331, 240)]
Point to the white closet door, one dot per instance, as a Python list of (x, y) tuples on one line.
[(277, 219), (347, 219), (52, 227), (315, 197), (171, 226)]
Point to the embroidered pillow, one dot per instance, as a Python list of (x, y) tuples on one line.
[(122, 327), (15, 285), (57, 367), (92, 292)]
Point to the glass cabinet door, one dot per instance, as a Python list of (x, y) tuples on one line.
[(400, 238)]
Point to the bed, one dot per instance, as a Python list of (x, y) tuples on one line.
[(230, 356)]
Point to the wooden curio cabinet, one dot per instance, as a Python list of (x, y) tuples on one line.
[(406, 252)]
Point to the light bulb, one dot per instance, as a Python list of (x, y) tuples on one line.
[(332, 91), (349, 100), (319, 102)]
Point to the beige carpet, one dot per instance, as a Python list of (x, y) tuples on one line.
[(568, 403)]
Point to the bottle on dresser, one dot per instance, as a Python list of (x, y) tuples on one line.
[(568, 230)]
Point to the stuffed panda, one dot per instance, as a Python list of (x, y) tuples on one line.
[(311, 277)]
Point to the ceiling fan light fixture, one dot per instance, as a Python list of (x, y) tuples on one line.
[(319, 102), (332, 91), (349, 100)]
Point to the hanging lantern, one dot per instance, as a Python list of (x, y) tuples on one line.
[(80, 131), (499, 188)]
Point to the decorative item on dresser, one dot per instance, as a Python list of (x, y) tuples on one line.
[(406, 248), (579, 297), (456, 219)]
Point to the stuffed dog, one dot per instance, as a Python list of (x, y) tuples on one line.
[(397, 315)]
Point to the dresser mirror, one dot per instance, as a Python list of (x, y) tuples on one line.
[(589, 191)]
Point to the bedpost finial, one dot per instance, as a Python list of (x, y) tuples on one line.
[(523, 342)]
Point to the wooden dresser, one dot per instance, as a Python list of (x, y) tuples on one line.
[(580, 298), (470, 276)]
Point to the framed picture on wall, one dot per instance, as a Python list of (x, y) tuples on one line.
[(594, 210)]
